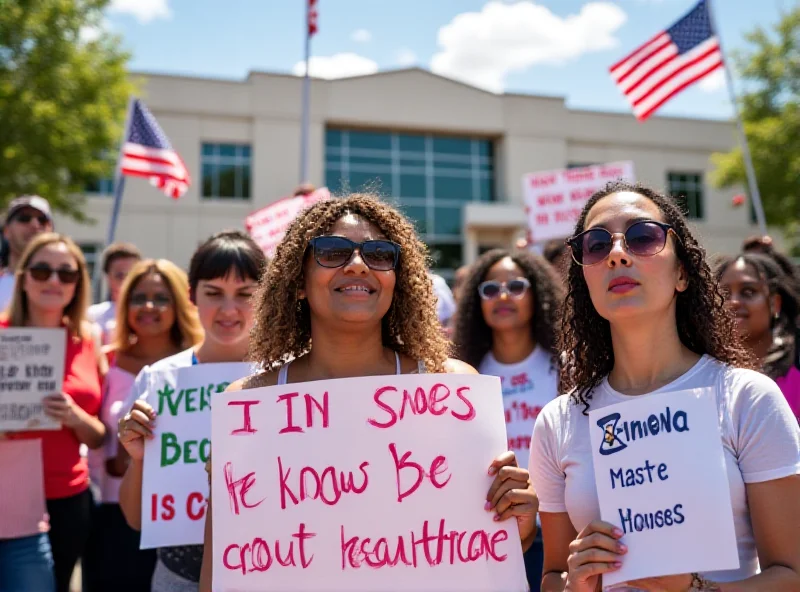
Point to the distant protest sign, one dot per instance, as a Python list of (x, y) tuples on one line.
[(554, 199), (175, 483), (31, 368), (361, 484), (661, 478), (268, 225)]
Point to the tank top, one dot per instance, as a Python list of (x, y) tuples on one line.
[(283, 373)]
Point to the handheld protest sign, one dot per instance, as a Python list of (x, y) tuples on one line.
[(31, 368), (374, 483), (174, 482), (661, 478)]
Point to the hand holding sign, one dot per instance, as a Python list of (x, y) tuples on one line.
[(512, 494), (134, 427), (61, 408)]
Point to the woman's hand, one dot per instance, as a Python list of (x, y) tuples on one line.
[(512, 494), (135, 426), (596, 551), (63, 409)]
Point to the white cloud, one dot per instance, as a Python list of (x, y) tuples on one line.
[(340, 65), (713, 82), (405, 57), (89, 34), (361, 36), (143, 10), (481, 48)]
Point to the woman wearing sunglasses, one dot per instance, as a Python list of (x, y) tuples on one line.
[(155, 320), (348, 294), (506, 327), (644, 315), (52, 291), (223, 275)]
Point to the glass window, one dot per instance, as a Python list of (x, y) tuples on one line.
[(446, 255), (333, 138), (687, 189), (412, 186), (91, 253), (458, 188), (419, 216), (228, 150), (452, 146), (409, 143), (447, 220), (370, 140), (226, 171)]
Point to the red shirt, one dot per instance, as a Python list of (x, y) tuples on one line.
[(66, 472)]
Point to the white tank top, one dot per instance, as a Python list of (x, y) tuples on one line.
[(283, 373)]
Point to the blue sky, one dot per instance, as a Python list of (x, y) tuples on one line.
[(550, 47)]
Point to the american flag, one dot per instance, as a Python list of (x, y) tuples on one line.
[(669, 62), (148, 153), (312, 17)]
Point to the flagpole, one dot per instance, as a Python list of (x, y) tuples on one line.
[(119, 178), (750, 171), (306, 101)]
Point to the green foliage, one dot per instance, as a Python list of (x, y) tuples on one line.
[(770, 108), (64, 89)]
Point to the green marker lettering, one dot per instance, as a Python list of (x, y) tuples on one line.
[(170, 449), (189, 396), (187, 452)]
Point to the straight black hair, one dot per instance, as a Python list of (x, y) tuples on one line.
[(223, 253)]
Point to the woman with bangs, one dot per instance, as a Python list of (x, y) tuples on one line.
[(223, 274), (348, 294), (155, 320), (52, 291)]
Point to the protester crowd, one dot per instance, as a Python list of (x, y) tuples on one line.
[(629, 305)]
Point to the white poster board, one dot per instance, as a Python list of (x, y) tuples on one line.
[(661, 478), (554, 199), (31, 367), (175, 483), (268, 225), (362, 484)]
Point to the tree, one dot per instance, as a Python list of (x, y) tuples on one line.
[(63, 93)]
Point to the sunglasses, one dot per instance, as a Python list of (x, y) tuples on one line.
[(514, 288), (159, 301), (643, 239), (42, 273), (26, 218), (336, 251)]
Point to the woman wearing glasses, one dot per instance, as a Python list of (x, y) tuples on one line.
[(52, 291), (644, 315), (506, 327), (155, 320), (348, 294), (223, 275)]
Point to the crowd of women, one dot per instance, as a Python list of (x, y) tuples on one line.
[(637, 309)]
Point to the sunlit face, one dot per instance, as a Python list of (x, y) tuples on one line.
[(52, 294), (117, 272), (23, 227), (353, 293), (625, 285), (225, 308), (505, 312), (151, 306), (747, 296)]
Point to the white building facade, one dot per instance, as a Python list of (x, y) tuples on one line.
[(451, 156)]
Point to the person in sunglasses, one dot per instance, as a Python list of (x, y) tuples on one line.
[(118, 260), (27, 217), (348, 294), (506, 327), (223, 275), (155, 320), (644, 315), (52, 291)]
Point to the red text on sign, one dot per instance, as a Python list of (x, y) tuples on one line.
[(164, 509), (328, 486), (239, 488), (247, 424), (420, 402), (438, 468), (310, 404), (258, 555)]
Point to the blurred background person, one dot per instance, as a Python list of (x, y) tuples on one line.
[(556, 253), (118, 259), (459, 278)]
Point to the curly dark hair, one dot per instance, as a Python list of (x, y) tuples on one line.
[(473, 337), (782, 354), (283, 322), (704, 325)]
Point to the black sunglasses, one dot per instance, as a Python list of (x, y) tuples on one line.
[(514, 288), (643, 239), (159, 301), (42, 273), (26, 218), (337, 251)]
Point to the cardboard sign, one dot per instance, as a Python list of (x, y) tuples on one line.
[(369, 484), (661, 478), (268, 225), (554, 199), (31, 367), (175, 483)]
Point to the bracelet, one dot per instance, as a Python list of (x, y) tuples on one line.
[(699, 583)]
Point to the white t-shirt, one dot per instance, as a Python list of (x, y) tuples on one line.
[(6, 289), (527, 387), (760, 439), (141, 385), (104, 315), (445, 303)]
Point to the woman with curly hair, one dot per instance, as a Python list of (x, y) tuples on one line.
[(765, 306), (348, 294), (506, 327), (643, 316)]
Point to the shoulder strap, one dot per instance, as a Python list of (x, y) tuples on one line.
[(283, 374)]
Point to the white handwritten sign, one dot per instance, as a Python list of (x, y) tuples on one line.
[(554, 199), (31, 367), (175, 483), (268, 225), (661, 478), (371, 484)]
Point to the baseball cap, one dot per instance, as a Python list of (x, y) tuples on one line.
[(29, 201)]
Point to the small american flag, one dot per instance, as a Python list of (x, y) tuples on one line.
[(148, 153), (669, 62)]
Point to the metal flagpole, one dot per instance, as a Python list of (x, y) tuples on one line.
[(119, 178), (306, 100), (752, 182)]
